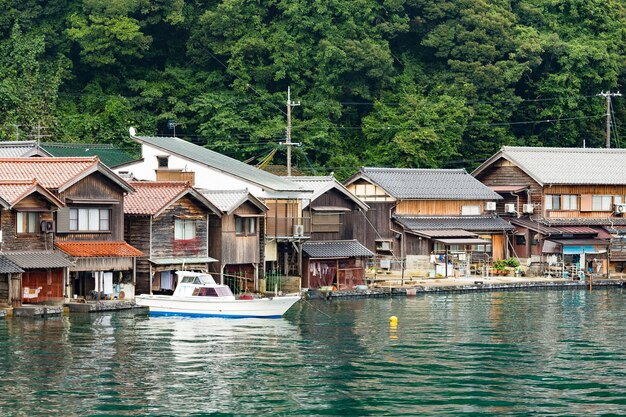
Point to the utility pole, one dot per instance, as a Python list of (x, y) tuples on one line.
[(38, 136), (608, 96), (288, 143)]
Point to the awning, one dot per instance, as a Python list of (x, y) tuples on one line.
[(477, 224), (330, 208), (333, 249), (39, 259), (574, 246), (443, 233), (508, 188), (181, 261), (8, 267), (462, 241), (98, 249)]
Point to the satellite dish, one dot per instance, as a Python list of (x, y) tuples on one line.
[(132, 131)]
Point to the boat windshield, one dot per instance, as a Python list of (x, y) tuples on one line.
[(198, 280), (212, 292)]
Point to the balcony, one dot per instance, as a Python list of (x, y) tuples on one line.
[(287, 227)]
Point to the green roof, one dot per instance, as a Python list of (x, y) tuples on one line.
[(107, 153), (220, 162)]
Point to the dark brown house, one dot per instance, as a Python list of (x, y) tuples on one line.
[(235, 238), (169, 222), (567, 206), (87, 225), (335, 217)]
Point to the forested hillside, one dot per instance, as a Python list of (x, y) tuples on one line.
[(407, 83)]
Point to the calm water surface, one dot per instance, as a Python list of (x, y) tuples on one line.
[(510, 353)]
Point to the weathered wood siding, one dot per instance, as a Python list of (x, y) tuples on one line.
[(282, 216), (378, 227), (137, 234), (502, 173), (369, 192), (94, 187), (436, 207), (351, 220), (584, 193), (415, 245), (163, 243), (12, 241)]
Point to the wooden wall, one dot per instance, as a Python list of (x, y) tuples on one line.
[(163, 243), (351, 221), (369, 192), (504, 173), (436, 207), (12, 241), (282, 216), (414, 245), (94, 187), (137, 234)]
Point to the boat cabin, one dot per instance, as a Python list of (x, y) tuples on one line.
[(200, 285)]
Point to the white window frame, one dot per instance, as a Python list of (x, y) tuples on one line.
[(184, 229), (470, 210), (602, 203), (569, 202), (90, 219), (549, 201), (30, 222)]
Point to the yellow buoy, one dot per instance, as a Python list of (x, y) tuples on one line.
[(393, 320)]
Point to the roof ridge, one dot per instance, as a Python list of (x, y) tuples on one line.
[(51, 159), (442, 170), (562, 148), (159, 183)]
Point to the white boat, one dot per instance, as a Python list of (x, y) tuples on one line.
[(197, 294)]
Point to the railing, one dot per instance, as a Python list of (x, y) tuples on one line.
[(287, 226)]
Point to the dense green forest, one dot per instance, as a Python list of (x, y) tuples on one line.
[(407, 83)]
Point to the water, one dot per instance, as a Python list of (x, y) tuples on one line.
[(510, 353)]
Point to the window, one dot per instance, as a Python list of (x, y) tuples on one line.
[(520, 239), (470, 210), (327, 222), (27, 222), (245, 226), (184, 229), (162, 161), (570, 202), (553, 202), (601, 203), (617, 199), (90, 219)]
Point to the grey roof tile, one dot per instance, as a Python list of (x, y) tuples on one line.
[(39, 259), (321, 184), (8, 267), (566, 165), (468, 223), (228, 200), (429, 184), (335, 249), (221, 162)]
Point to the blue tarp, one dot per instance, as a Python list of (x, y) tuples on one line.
[(573, 250)]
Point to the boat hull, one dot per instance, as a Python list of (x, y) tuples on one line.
[(167, 305)]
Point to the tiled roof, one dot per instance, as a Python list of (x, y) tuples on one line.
[(229, 200), (13, 191), (98, 249), (335, 249), (565, 165), (468, 223), (107, 153), (55, 173), (427, 184), (16, 149), (220, 162), (152, 196), (39, 259), (8, 267), (322, 184), (581, 221)]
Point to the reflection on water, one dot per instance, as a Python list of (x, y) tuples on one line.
[(515, 353)]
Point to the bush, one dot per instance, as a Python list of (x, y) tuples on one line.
[(512, 262), (499, 265)]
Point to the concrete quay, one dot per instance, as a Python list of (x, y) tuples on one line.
[(411, 287), (100, 306)]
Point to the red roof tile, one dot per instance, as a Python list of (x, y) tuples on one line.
[(152, 196), (12, 191), (98, 249), (49, 172)]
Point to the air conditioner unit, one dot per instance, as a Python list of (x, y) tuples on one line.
[(298, 230), (383, 245), (509, 208), (47, 226), (528, 208), (490, 206), (619, 208)]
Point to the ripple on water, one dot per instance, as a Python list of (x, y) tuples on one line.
[(511, 353)]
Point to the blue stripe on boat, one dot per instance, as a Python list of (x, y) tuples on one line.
[(224, 316)]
